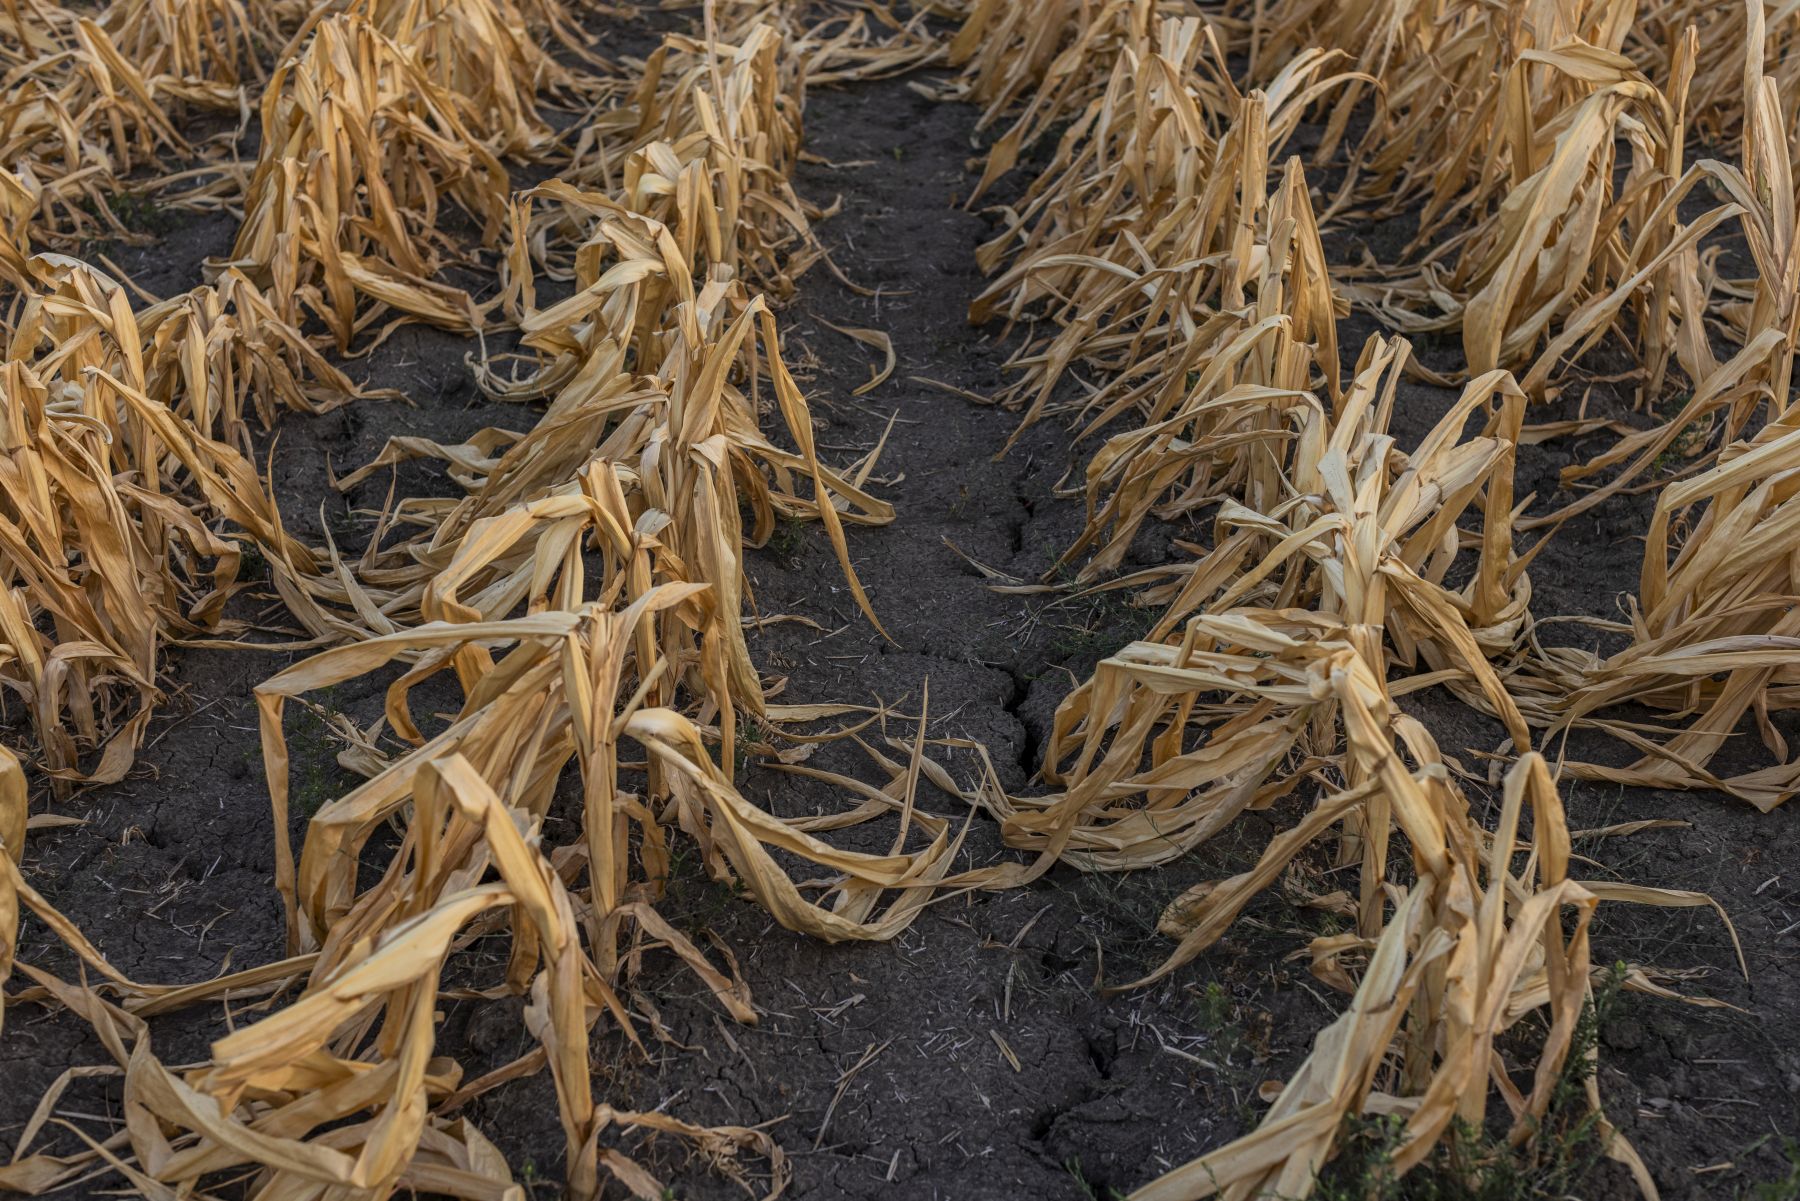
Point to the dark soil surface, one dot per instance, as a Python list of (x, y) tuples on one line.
[(973, 1057)]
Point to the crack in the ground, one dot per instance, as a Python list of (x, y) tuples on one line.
[(1029, 742), (1023, 516)]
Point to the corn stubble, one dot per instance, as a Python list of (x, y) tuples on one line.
[(361, 147), (92, 101), (120, 452), (632, 666), (1194, 304), (584, 595)]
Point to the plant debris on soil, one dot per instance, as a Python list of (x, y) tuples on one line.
[(820, 598)]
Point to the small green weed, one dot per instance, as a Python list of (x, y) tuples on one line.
[(1111, 622), (1784, 1188), (1073, 1167), (139, 214), (787, 540), (312, 756)]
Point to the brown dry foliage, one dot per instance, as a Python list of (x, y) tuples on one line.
[(660, 369), (1330, 546), (115, 470), (586, 592), (361, 148)]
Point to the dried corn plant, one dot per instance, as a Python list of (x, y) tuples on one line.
[(34, 29), (1717, 104), (211, 53), (707, 146), (17, 203), (1473, 946), (655, 359), (1444, 82), (586, 591), (647, 453), (1330, 550), (1269, 669), (74, 122), (92, 105), (94, 98), (220, 353), (341, 1087), (1764, 187), (1276, 663), (1713, 631), (198, 53), (1359, 535), (655, 355), (690, 429), (1212, 409), (485, 59), (1546, 167), (106, 546), (1146, 146), (1544, 265), (1043, 64), (1141, 237), (581, 685), (74, 559), (848, 40), (391, 112), (730, 105), (647, 472), (1728, 399), (360, 152)]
